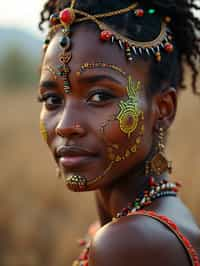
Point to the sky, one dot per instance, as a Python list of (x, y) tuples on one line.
[(22, 14)]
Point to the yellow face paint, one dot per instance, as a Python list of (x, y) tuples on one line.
[(129, 118), (129, 109), (43, 130)]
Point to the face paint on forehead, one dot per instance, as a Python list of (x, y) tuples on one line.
[(100, 65), (51, 70)]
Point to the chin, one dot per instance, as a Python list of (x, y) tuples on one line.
[(83, 183), (76, 183), (84, 179)]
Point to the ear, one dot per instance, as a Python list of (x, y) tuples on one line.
[(166, 108)]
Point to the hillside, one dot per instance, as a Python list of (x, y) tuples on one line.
[(11, 37)]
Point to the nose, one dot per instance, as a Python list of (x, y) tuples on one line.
[(69, 124)]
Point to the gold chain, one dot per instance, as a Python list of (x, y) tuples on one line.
[(137, 44), (110, 14), (73, 3)]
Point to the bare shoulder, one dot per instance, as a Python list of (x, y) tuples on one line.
[(137, 241)]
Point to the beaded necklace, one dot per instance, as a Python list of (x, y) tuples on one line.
[(154, 191)]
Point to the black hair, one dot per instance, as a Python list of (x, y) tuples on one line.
[(185, 27)]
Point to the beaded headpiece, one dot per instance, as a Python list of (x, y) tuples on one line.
[(71, 15)]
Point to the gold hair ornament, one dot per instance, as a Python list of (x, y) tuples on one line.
[(132, 48)]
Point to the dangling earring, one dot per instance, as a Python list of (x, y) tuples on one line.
[(58, 173), (159, 164)]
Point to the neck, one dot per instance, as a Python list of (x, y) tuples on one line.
[(114, 198)]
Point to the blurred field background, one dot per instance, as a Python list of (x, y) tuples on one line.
[(40, 220)]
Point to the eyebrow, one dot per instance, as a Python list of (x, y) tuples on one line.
[(97, 78), (50, 84)]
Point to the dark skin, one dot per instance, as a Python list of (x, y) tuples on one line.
[(95, 96)]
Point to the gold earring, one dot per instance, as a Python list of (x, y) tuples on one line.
[(159, 164)]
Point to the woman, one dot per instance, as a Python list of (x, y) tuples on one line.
[(110, 77)]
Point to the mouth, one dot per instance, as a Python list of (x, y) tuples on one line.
[(73, 156)]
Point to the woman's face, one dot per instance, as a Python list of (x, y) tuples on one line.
[(102, 128)]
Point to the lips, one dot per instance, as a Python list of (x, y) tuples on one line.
[(74, 156)]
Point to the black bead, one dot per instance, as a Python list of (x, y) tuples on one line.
[(65, 42), (47, 41)]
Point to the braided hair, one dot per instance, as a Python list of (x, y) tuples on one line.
[(185, 26)]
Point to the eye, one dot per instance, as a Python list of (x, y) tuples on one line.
[(100, 96), (52, 101)]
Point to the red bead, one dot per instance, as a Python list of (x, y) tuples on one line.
[(151, 181), (67, 16), (169, 47), (175, 189), (126, 45), (82, 242), (105, 35), (139, 12), (84, 256)]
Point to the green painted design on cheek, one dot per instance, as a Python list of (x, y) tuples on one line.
[(129, 114), (43, 130)]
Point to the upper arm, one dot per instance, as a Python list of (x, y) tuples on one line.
[(136, 241)]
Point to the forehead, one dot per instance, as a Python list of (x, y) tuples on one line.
[(88, 48)]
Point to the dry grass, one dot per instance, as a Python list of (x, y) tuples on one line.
[(39, 219)]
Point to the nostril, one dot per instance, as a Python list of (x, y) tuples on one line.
[(59, 132)]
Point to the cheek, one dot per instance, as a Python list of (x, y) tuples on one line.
[(43, 130), (48, 123), (43, 127), (124, 137), (124, 133)]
